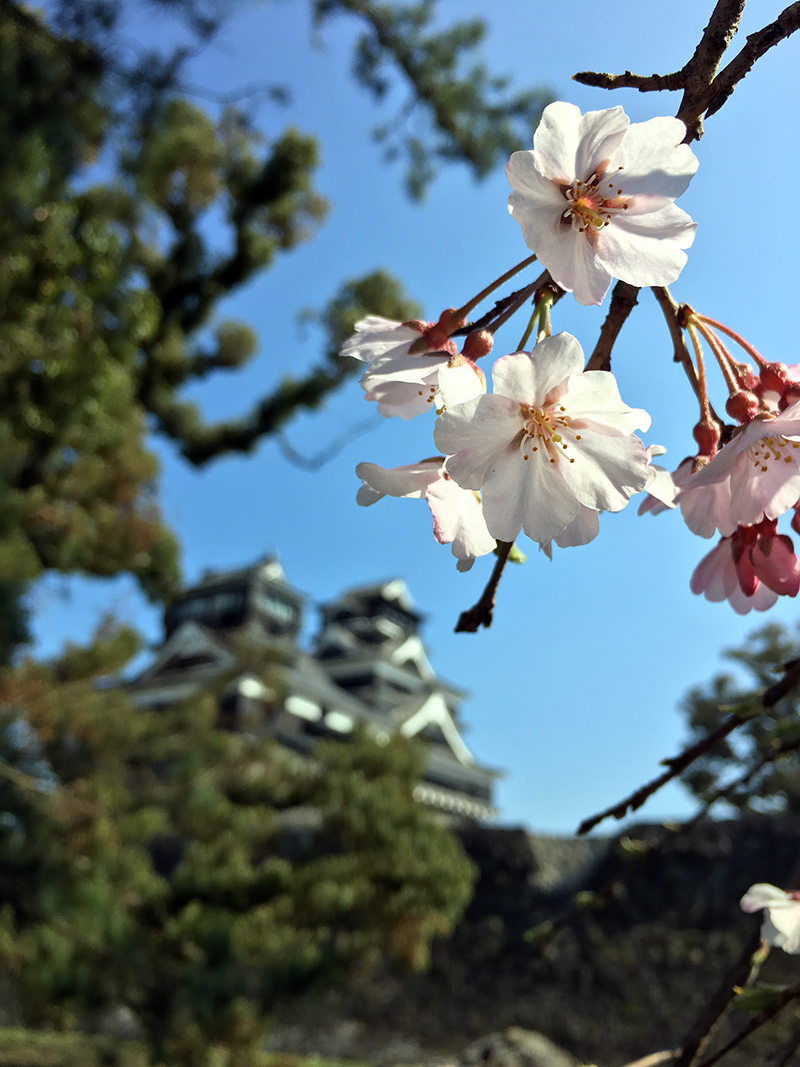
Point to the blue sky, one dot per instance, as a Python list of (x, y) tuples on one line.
[(575, 689)]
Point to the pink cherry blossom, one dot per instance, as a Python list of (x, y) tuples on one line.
[(595, 198), (413, 366), (750, 569), (457, 515), (781, 925), (549, 441), (705, 508), (760, 467)]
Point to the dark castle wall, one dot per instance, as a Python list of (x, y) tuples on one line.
[(620, 982)]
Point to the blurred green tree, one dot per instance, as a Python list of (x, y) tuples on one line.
[(776, 786), (155, 861), (110, 283)]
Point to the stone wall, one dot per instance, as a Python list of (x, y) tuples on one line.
[(621, 982)]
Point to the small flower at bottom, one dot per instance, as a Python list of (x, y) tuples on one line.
[(457, 515), (781, 926), (750, 569), (549, 441)]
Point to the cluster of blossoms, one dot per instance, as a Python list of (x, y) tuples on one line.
[(553, 444), (740, 490)]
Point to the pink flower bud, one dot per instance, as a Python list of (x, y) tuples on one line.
[(478, 343), (707, 436), (742, 406)]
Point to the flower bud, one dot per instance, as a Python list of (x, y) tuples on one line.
[(478, 343), (742, 406), (707, 436), (774, 377)]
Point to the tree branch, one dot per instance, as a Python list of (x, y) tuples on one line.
[(763, 1017), (623, 301), (703, 65), (757, 44), (677, 764), (481, 613), (645, 83)]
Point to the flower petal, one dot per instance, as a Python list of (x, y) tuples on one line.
[(646, 249), (458, 518), (474, 434), (411, 480), (654, 160), (594, 395), (530, 377), (569, 145), (606, 471), (763, 895), (527, 495)]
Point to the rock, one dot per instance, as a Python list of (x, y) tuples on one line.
[(516, 1047)]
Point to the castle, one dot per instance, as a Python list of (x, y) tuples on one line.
[(367, 666)]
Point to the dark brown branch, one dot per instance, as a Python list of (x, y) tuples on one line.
[(702, 67), (623, 301), (645, 83), (757, 44), (504, 308), (481, 613)]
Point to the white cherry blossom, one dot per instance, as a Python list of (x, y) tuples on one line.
[(413, 366), (546, 443), (457, 515), (595, 198), (781, 926)]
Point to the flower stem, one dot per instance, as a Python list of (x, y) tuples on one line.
[(481, 613), (752, 352), (721, 353), (541, 312), (465, 310), (706, 416)]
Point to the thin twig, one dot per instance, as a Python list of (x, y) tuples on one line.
[(623, 301), (680, 352), (504, 308), (330, 451), (645, 83), (481, 613), (677, 764), (656, 1058), (741, 976), (763, 1017)]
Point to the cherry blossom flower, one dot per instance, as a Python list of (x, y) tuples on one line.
[(750, 569), (781, 925), (410, 363), (705, 508), (595, 198), (548, 441), (760, 467), (457, 515)]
